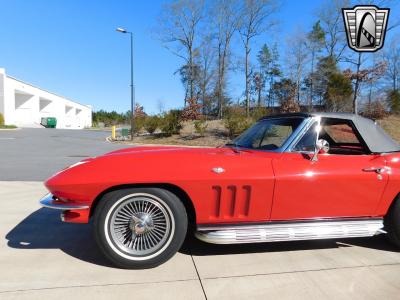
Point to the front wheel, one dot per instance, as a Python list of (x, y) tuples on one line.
[(140, 228)]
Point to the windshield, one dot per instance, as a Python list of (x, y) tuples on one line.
[(268, 134)]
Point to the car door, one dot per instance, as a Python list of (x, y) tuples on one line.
[(345, 182)]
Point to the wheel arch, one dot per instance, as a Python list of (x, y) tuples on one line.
[(392, 203), (176, 190)]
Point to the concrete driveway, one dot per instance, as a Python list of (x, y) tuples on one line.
[(41, 257)]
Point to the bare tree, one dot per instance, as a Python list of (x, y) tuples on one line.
[(330, 15), (255, 14), (392, 58), (297, 57), (363, 75), (226, 18), (179, 23), (160, 106), (205, 60)]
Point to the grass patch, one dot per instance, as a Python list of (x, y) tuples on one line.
[(391, 125), (8, 126), (213, 135)]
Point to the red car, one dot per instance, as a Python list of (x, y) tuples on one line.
[(289, 177)]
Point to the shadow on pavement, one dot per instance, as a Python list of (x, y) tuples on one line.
[(43, 229), (193, 246)]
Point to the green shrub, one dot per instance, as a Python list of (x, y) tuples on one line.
[(1, 119), (151, 124), (258, 112), (200, 126), (8, 126), (138, 124), (236, 122), (170, 122)]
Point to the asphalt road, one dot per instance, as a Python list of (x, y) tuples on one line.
[(36, 154)]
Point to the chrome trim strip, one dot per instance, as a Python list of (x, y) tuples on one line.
[(295, 231), (49, 202), (297, 138), (294, 136)]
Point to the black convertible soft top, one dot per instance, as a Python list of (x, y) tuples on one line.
[(374, 136)]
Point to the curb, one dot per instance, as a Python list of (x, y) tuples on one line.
[(9, 129)]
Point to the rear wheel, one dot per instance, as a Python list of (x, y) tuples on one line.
[(140, 227), (392, 222)]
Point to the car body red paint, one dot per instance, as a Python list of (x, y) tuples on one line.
[(256, 186)]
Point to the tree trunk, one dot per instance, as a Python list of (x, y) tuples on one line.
[(220, 80), (221, 90), (370, 95), (203, 89), (271, 82), (310, 103), (247, 75), (356, 85), (191, 81)]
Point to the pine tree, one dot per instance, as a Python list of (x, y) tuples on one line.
[(338, 93), (315, 42)]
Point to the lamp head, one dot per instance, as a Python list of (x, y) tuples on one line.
[(122, 30)]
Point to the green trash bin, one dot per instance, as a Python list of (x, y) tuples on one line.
[(124, 132), (49, 122)]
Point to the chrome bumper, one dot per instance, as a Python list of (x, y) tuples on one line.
[(49, 202)]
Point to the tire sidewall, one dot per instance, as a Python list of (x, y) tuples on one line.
[(174, 207)]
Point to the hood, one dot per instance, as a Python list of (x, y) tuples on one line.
[(180, 166), (141, 149), (159, 164)]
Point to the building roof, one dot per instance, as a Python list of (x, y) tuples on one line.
[(374, 136), (44, 90)]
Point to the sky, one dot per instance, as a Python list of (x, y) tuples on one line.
[(71, 48)]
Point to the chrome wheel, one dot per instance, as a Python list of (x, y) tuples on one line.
[(139, 226)]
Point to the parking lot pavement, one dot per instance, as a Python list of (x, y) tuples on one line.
[(42, 257), (37, 153)]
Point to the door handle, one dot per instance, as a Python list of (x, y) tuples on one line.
[(378, 170)]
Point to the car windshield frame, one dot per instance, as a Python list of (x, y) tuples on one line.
[(303, 121)]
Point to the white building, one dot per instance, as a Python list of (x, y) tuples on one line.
[(24, 105)]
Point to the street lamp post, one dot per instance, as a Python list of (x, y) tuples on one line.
[(122, 30)]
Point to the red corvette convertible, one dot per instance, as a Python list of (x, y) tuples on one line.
[(289, 177)]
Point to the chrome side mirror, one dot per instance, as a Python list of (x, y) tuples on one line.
[(321, 147)]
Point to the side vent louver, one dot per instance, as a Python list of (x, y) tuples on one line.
[(230, 202), (246, 203), (216, 203)]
